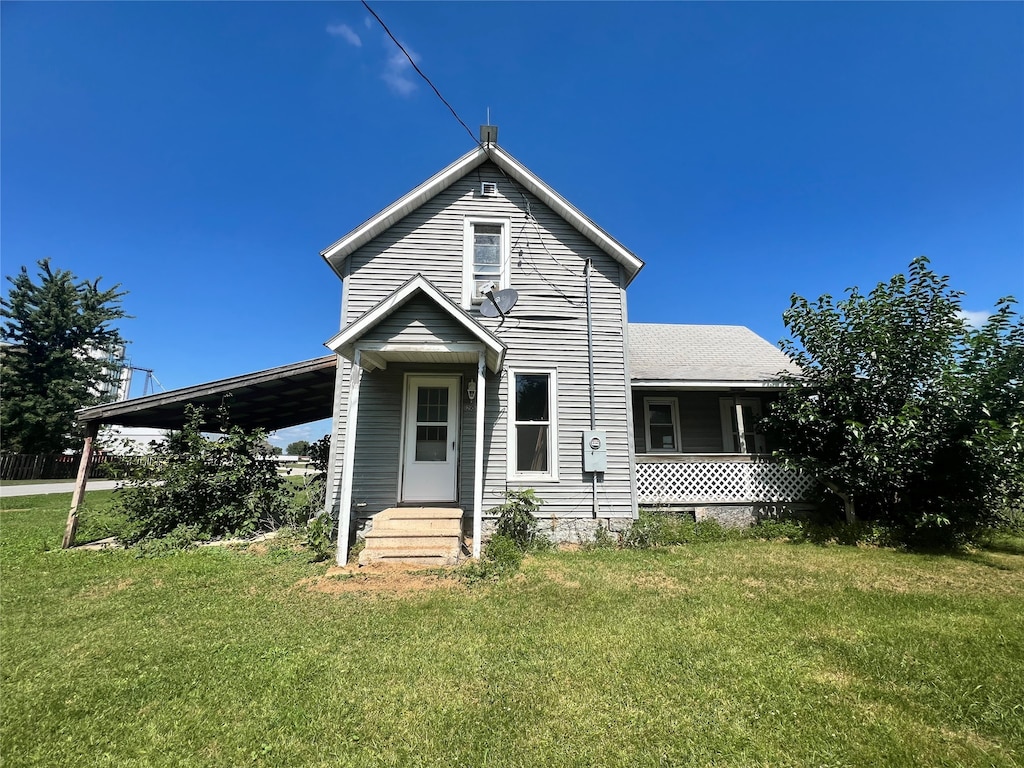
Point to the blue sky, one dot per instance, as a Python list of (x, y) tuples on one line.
[(202, 154)]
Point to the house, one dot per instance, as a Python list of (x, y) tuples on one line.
[(448, 394)]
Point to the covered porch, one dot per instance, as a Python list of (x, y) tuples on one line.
[(410, 416), (699, 393)]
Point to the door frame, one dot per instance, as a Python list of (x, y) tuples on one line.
[(407, 403)]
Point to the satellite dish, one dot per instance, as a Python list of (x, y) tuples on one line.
[(499, 302)]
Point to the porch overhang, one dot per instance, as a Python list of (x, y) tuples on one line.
[(717, 385), (376, 354)]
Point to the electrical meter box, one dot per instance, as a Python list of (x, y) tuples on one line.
[(595, 454)]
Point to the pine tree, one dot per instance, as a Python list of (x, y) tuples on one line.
[(54, 328)]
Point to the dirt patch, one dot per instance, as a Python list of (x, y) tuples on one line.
[(379, 579)]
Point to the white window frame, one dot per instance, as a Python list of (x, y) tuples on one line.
[(468, 300), (734, 405), (674, 403), (512, 454)]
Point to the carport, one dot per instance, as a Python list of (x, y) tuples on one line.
[(270, 399)]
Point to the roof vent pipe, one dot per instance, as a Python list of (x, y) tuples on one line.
[(488, 134)]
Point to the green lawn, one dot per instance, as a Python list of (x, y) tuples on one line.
[(733, 653)]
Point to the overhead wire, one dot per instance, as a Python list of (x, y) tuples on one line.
[(486, 148), (419, 71)]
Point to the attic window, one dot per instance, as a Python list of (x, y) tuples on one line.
[(488, 189), (485, 258)]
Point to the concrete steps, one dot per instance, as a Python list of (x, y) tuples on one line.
[(428, 536)]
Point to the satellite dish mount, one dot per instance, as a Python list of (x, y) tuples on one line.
[(498, 303)]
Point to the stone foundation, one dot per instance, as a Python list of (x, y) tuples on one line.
[(566, 530), (740, 515)]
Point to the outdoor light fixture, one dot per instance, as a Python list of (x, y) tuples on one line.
[(471, 390)]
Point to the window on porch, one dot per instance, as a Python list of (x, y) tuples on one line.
[(661, 424)]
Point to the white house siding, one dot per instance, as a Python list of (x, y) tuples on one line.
[(546, 330)]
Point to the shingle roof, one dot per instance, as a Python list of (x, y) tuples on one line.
[(720, 353)]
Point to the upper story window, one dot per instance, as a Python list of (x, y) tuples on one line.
[(533, 429), (661, 423), (485, 258)]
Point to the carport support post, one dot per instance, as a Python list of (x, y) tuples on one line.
[(91, 430)]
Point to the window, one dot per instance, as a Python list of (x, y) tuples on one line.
[(661, 424), (532, 429), (485, 257), (740, 433)]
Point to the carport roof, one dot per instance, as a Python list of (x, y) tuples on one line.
[(271, 399)]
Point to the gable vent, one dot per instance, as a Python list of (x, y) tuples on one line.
[(488, 189)]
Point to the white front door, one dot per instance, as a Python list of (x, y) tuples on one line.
[(430, 456)]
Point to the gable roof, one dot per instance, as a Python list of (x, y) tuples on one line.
[(337, 253), (344, 343), (703, 355)]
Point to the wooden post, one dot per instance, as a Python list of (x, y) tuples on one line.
[(91, 430)]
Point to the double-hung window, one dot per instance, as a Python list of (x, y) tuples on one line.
[(485, 258), (661, 423), (533, 432)]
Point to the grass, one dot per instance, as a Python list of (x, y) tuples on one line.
[(724, 653)]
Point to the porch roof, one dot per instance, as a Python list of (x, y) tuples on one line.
[(378, 354), (271, 399), (704, 356)]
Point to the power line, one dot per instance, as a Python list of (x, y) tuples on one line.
[(420, 72)]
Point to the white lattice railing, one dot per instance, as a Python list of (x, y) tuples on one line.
[(674, 480)]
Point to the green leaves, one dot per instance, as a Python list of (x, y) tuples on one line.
[(905, 407), (57, 327), (223, 486)]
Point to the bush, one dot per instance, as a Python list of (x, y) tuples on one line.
[(517, 517), (216, 487), (502, 556)]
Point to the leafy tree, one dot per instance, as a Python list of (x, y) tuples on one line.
[(206, 487), (298, 448), (53, 325), (913, 417)]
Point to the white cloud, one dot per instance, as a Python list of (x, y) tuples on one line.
[(346, 33), (396, 72), (974, 318)]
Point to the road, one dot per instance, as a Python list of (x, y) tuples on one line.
[(39, 489)]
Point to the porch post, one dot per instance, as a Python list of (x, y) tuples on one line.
[(345, 508), (478, 455), (91, 430), (740, 428)]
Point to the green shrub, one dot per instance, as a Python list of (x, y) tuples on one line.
[(177, 540), (776, 529), (517, 517), (603, 539), (502, 556), (218, 487)]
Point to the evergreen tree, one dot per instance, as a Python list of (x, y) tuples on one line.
[(55, 328)]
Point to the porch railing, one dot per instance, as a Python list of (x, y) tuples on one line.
[(723, 479)]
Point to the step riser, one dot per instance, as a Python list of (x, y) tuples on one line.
[(424, 561), (397, 513), (448, 527), (433, 543)]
